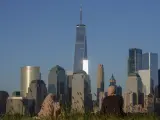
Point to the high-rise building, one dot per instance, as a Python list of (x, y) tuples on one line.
[(158, 83), (28, 74), (147, 82), (119, 90), (150, 62), (69, 86), (134, 60), (37, 91), (57, 83), (100, 80), (80, 92), (134, 84), (80, 55)]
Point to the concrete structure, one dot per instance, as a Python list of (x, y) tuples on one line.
[(57, 83), (3, 100), (100, 80), (37, 91), (150, 62), (80, 46), (134, 60), (20, 105), (134, 84), (80, 93), (28, 73), (147, 81)]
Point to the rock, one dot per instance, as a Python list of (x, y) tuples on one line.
[(47, 109)]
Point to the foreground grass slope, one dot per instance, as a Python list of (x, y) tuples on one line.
[(87, 117)]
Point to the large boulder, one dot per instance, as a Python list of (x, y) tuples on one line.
[(49, 108)]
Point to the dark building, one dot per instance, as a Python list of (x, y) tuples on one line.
[(119, 90), (3, 100), (57, 83), (134, 60), (158, 87), (141, 98), (69, 87), (80, 45), (37, 91)]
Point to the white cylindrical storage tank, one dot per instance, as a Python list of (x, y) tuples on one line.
[(28, 73)]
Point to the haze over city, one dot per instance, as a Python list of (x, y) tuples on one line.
[(43, 33)]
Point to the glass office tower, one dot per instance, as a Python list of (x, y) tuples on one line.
[(134, 61), (80, 45)]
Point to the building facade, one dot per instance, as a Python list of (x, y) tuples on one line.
[(158, 91), (37, 91), (19, 105), (80, 93), (57, 83), (147, 82), (150, 62), (28, 74), (134, 60), (80, 46), (134, 84), (69, 86), (100, 80)]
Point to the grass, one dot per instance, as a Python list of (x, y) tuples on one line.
[(87, 117)]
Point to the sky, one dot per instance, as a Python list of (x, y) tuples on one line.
[(42, 33)]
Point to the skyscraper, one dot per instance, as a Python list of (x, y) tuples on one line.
[(69, 86), (149, 74), (81, 100), (57, 83), (80, 55), (100, 80), (37, 91), (134, 60), (28, 74)]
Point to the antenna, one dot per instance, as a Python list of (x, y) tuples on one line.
[(81, 13)]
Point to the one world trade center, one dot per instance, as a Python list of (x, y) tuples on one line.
[(80, 55)]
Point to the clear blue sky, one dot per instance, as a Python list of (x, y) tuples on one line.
[(42, 32)]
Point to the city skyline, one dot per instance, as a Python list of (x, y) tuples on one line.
[(36, 32)]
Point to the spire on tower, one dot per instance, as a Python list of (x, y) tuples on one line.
[(81, 14)]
